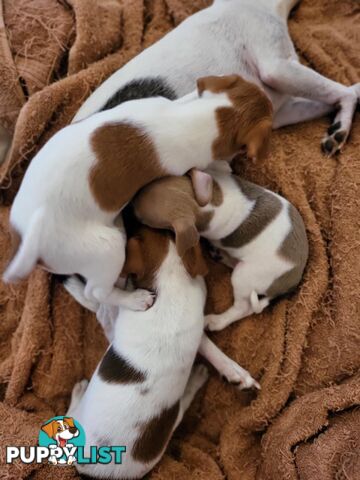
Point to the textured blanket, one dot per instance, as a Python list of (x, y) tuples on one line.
[(305, 349)]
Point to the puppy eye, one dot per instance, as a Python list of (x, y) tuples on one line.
[(59, 429)]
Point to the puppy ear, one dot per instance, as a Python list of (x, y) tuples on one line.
[(69, 421), (216, 83), (258, 140), (49, 428), (194, 262), (186, 234), (202, 184), (134, 263), (201, 85)]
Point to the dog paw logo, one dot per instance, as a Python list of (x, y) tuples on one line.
[(63, 436)]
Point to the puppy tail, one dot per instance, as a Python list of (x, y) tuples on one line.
[(256, 304), (28, 253)]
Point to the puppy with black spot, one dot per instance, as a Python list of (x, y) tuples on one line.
[(255, 231), (76, 186), (146, 379)]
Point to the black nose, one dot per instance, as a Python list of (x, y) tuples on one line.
[(73, 430)]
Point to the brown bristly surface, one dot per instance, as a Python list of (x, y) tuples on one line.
[(305, 350)]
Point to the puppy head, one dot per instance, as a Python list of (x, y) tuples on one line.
[(248, 124), (146, 251), (173, 203)]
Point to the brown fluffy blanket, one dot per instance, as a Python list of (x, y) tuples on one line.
[(304, 424)]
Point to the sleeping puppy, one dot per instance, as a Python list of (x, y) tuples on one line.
[(63, 215), (247, 37), (258, 233), (146, 379)]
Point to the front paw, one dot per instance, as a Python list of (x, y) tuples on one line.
[(239, 376), (142, 300)]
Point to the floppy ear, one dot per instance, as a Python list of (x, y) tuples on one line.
[(186, 234), (194, 262), (49, 429), (258, 140), (69, 421), (134, 263), (202, 184), (216, 83)]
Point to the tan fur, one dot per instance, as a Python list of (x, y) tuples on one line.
[(248, 123), (126, 161), (170, 203), (147, 251)]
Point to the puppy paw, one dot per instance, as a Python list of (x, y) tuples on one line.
[(142, 300), (335, 139), (239, 376)]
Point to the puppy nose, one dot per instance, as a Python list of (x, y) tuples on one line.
[(73, 430)]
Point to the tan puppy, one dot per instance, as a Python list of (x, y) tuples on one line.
[(256, 232)]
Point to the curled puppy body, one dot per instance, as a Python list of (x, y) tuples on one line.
[(256, 232), (64, 212), (146, 379)]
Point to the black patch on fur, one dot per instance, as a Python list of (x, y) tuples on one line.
[(116, 369), (334, 127), (141, 88), (328, 146)]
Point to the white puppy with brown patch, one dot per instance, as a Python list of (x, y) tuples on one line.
[(146, 379), (77, 184), (256, 232)]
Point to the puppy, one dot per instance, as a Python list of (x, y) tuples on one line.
[(64, 212), (61, 431), (258, 233), (146, 379), (241, 36)]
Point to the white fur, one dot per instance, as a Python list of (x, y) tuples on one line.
[(56, 214), (162, 341), (258, 263), (237, 36)]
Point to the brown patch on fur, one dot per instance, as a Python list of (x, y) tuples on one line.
[(217, 195), (155, 435), (267, 207), (126, 161), (194, 262), (203, 219), (147, 251), (116, 369), (295, 249), (248, 123)]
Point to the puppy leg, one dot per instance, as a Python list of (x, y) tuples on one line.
[(225, 366), (289, 76), (296, 110), (239, 310), (197, 379), (76, 288), (77, 394)]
